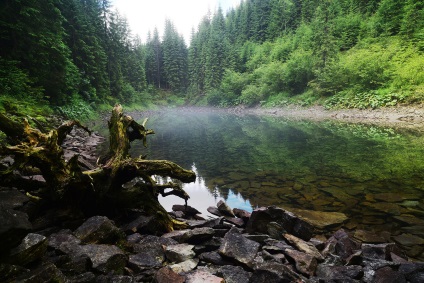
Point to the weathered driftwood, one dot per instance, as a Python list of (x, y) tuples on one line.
[(102, 189)]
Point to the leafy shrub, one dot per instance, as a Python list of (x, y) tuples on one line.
[(251, 95), (371, 99)]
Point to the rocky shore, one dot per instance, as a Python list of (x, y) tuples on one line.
[(268, 245), (271, 244)]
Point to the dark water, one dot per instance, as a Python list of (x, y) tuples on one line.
[(373, 175)]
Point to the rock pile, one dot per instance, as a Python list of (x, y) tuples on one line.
[(269, 245)]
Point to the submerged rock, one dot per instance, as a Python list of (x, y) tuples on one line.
[(321, 219)]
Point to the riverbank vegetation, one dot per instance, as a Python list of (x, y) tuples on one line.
[(75, 56)]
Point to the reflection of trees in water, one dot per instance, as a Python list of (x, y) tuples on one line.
[(275, 161)]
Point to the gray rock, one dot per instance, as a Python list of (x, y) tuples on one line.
[(259, 238), (261, 217), (150, 239), (142, 261), (236, 221), (32, 247), (305, 263), (142, 224), (197, 235), (303, 246), (213, 210), (167, 275), (239, 248), (379, 251), (111, 278), (12, 198), (98, 230), (345, 246), (241, 213), (188, 210), (14, 226), (87, 277), (45, 273), (203, 276), (413, 271), (272, 272), (8, 272), (185, 266), (105, 258), (175, 235), (388, 275), (179, 253), (339, 272), (214, 258), (233, 274), (134, 238), (224, 209), (63, 241)]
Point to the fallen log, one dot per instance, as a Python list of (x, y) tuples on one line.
[(101, 190)]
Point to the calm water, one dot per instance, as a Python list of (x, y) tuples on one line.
[(373, 175)]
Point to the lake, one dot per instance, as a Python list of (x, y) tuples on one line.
[(373, 175)]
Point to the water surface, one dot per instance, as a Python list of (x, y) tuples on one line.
[(373, 175)]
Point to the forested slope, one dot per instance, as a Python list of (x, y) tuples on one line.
[(75, 54)]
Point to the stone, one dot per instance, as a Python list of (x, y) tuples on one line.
[(185, 266), (142, 224), (134, 238), (105, 258), (272, 272), (214, 258), (175, 235), (179, 253), (197, 235), (241, 213), (261, 217), (188, 210), (63, 241), (321, 219), (303, 246), (142, 261), (224, 209), (98, 230), (213, 210), (8, 272), (14, 226), (86, 277), (275, 230), (236, 221), (345, 246), (202, 276), (239, 248), (12, 198), (167, 275), (259, 238), (45, 273), (195, 223), (388, 275), (339, 272), (368, 237), (233, 274), (378, 251), (115, 279), (32, 248), (408, 240), (413, 271), (305, 263), (163, 241)]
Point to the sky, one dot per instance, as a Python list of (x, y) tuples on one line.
[(145, 15)]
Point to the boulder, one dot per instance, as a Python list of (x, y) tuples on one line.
[(321, 220), (339, 272), (241, 213), (145, 260), (239, 248), (98, 230), (63, 241), (167, 275), (185, 266), (261, 217), (142, 224), (8, 272), (305, 263), (233, 274), (272, 272), (175, 235), (213, 210), (179, 253), (203, 276), (388, 275), (188, 210), (44, 273), (213, 257), (197, 235), (303, 246), (224, 209), (105, 258), (14, 226), (12, 198), (236, 221), (32, 248)]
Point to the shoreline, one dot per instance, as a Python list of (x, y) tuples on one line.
[(402, 117)]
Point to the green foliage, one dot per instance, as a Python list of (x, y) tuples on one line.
[(371, 99), (77, 109)]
